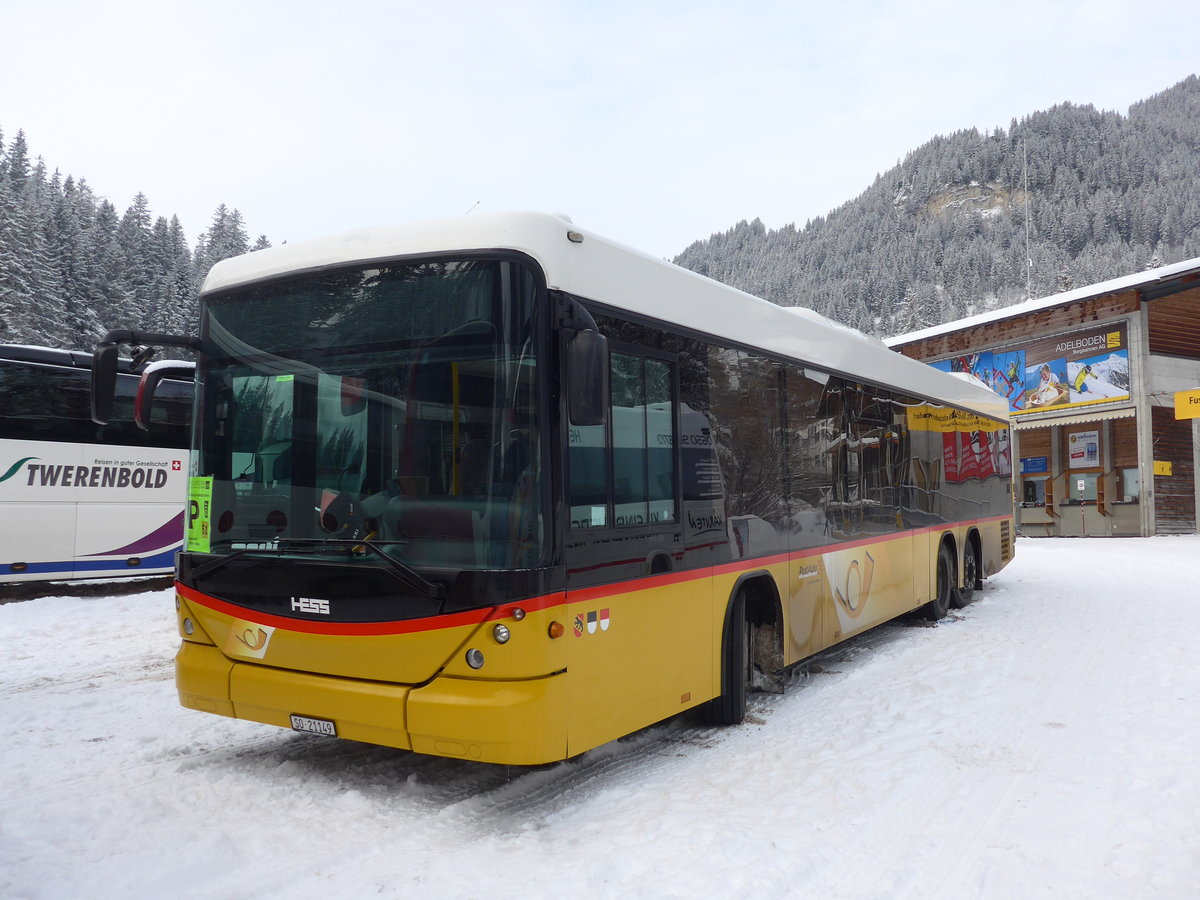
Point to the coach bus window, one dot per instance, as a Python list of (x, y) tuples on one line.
[(39, 403), (49, 403)]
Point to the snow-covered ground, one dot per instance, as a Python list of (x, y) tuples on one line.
[(1041, 743)]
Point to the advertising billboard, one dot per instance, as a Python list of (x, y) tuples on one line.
[(1076, 369)]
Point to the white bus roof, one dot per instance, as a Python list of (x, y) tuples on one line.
[(594, 268)]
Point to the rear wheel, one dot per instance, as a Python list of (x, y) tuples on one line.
[(940, 604), (730, 707), (960, 597)]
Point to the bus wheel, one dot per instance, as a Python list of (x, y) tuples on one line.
[(940, 604), (730, 707), (960, 597)]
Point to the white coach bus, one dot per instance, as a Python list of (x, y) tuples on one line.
[(80, 500)]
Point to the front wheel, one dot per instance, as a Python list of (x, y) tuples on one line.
[(730, 707), (940, 604)]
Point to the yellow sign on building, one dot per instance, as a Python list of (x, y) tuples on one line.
[(1187, 404), (925, 417)]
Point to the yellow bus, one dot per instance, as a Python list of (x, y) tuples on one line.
[(497, 488)]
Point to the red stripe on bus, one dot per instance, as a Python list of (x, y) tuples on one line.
[(749, 565), (550, 601), (402, 626)]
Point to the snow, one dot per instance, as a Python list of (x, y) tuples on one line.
[(1113, 286), (1039, 743)]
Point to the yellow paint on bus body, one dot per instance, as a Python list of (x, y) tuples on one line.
[(629, 656)]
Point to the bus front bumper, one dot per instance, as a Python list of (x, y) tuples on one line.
[(515, 722)]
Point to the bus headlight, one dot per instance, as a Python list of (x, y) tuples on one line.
[(475, 658), (501, 634), (188, 627)]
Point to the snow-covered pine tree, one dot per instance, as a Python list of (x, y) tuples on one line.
[(225, 238), (73, 215)]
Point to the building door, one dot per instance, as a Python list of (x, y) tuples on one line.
[(1082, 459)]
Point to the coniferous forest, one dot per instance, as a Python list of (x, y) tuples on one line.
[(943, 234), (73, 267), (968, 222)]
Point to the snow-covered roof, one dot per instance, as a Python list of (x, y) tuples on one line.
[(1114, 286), (587, 265)]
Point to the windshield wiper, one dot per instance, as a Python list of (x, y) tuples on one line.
[(430, 590), (220, 562)]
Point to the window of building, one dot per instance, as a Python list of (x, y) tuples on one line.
[(1129, 485), (1033, 491)]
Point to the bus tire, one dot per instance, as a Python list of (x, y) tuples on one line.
[(960, 597), (940, 604), (729, 708)]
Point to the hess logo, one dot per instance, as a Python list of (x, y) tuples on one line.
[(310, 605)]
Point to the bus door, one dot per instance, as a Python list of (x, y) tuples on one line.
[(639, 624)]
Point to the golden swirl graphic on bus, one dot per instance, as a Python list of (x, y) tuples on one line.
[(248, 639), (851, 594)]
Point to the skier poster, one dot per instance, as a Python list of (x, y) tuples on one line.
[(1076, 369)]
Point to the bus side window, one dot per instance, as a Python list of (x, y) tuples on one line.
[(589, 476), (635, 460)]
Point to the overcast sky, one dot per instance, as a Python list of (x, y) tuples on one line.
[(654, 123)]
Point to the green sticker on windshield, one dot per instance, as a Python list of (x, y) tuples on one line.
[(199, 514)]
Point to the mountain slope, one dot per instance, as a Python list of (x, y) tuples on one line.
[(943, 234)]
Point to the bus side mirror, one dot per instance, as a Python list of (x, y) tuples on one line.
[(587, 378), (105, 364), (104, 382), (153, 374)]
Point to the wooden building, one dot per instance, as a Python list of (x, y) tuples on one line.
[(1091, 377)]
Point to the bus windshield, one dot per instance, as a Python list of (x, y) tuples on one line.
[(394, 405)]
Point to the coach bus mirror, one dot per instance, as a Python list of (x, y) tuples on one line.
[(148, 385), (587, 377), (104, 382)]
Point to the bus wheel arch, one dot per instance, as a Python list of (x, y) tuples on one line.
[(751, 647)]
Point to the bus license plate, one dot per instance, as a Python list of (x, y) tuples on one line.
[(314, 726)]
